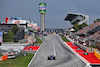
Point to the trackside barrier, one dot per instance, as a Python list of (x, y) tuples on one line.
[(35, 55), (84, 60), (4, 57), (69, 39), (70, 43), (77, 44), (97, 54), (81, 46)]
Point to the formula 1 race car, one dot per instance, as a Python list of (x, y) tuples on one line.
[(51, 57)]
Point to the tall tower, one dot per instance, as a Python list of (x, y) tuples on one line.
[(42, 21), (42, 10)]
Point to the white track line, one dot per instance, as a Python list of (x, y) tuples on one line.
[(35, 55), (54, 49), (83, 59)]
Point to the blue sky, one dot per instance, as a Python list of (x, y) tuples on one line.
[(56, 10)]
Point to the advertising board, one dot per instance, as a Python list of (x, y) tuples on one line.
[(42, 8), (32, 24), (16, 21), (12, 18)]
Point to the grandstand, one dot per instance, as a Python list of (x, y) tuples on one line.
[(96, 35), (77, 18), (90, 33), (94, 27), (86, 38)]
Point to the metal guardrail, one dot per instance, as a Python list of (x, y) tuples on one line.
[(71, 51), (80, 46), (21, 52), (85, 48), (63, 44)]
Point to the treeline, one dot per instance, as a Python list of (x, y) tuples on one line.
[(9, 37), (97, 20), (78, 27)]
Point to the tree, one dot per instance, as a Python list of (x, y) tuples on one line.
[(97, 20), (83, 25), (9, 37), (14, 29), (78, 27), (4, 37)]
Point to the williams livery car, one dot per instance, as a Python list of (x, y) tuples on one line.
[(51, 57)]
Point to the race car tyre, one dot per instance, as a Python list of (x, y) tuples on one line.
[(48, 58), (54, 58)]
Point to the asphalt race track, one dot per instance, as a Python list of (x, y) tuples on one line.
[(53, 45)]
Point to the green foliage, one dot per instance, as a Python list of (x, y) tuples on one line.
[(78, 27), (4, 37), (83, 25), (92, 47), (9, 37), (94, 21), (11, 34), (38, 40), (97, 20), (15, 29), (21, 61), (64, 39)]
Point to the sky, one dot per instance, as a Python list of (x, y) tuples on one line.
[(56, 10)]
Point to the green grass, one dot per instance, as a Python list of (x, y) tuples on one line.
[(64, 39), (92, 47), (21, 61), (38, 40)]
